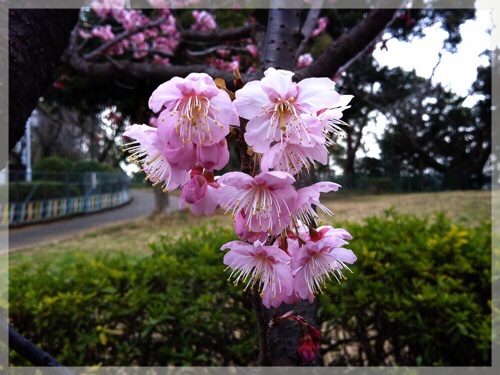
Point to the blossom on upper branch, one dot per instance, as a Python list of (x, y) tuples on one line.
[(304, 60), (199, 111), (107, 8), (203, 21), (150, 151), (275, 107)]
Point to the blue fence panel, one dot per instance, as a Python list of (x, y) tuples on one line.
[(98, 191)]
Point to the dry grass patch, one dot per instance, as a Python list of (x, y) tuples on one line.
[(132, 237), (465, 207), (469, 208)]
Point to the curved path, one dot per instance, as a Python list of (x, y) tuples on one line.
[(142, 205)]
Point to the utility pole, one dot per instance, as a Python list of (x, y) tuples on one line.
[(27, 150)]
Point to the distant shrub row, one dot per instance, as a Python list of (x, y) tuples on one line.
[(55, 177), (58, 164), (419, 295), (42, 190)]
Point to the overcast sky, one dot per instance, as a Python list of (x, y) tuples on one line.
[(456, 71)]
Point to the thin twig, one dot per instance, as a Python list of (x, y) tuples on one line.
[(308, 27), (103, 48)]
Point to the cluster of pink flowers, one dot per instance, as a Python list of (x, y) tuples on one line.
[(294, 267), (164, 37), (290, 123), (188, 142), (289, 126), (157, 43), (203, 21)]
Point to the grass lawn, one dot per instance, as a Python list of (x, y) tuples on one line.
[(468, 208)]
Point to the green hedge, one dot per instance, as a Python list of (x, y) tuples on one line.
[(53, 164), (19, 191), (172, 308), (57, 164), (419, 295), (83, 166)]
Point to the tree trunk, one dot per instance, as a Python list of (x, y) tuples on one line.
[(161, 201), (37, 39), (278, 346)]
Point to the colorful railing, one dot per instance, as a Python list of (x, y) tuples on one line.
[(35, 211)]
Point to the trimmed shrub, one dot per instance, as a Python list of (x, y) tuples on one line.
[(174, 307), (53, 164), (19, 191), (90, 166), (419, 295)]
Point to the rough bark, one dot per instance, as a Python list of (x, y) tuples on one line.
[(278, 346), (161, 201), (282, 39), (37, 39), (348, 45)]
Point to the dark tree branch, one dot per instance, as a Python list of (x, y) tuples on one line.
[(114, 69), (37, 38), (105, 47), (30, 351), (308, 27), (218, 36), (348, 45), (367, 48), (281, 51)]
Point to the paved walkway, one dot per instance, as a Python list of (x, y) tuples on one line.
[(141, 206)]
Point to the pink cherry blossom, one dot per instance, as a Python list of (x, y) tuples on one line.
[(253, 49), (263, 266), (330, 118), (274, 107), (242, 231), (322, 24), (203, 21), (213, 157), (201, 193), (266, 201), (195, 189), (103, 32), (292, 158), (308, 347), (223, 64), (179, 154), (309, 196), (160, 60), (131, 19), (317, 261), (106, 8), (149, 151), (304, 60), (195, 107)]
